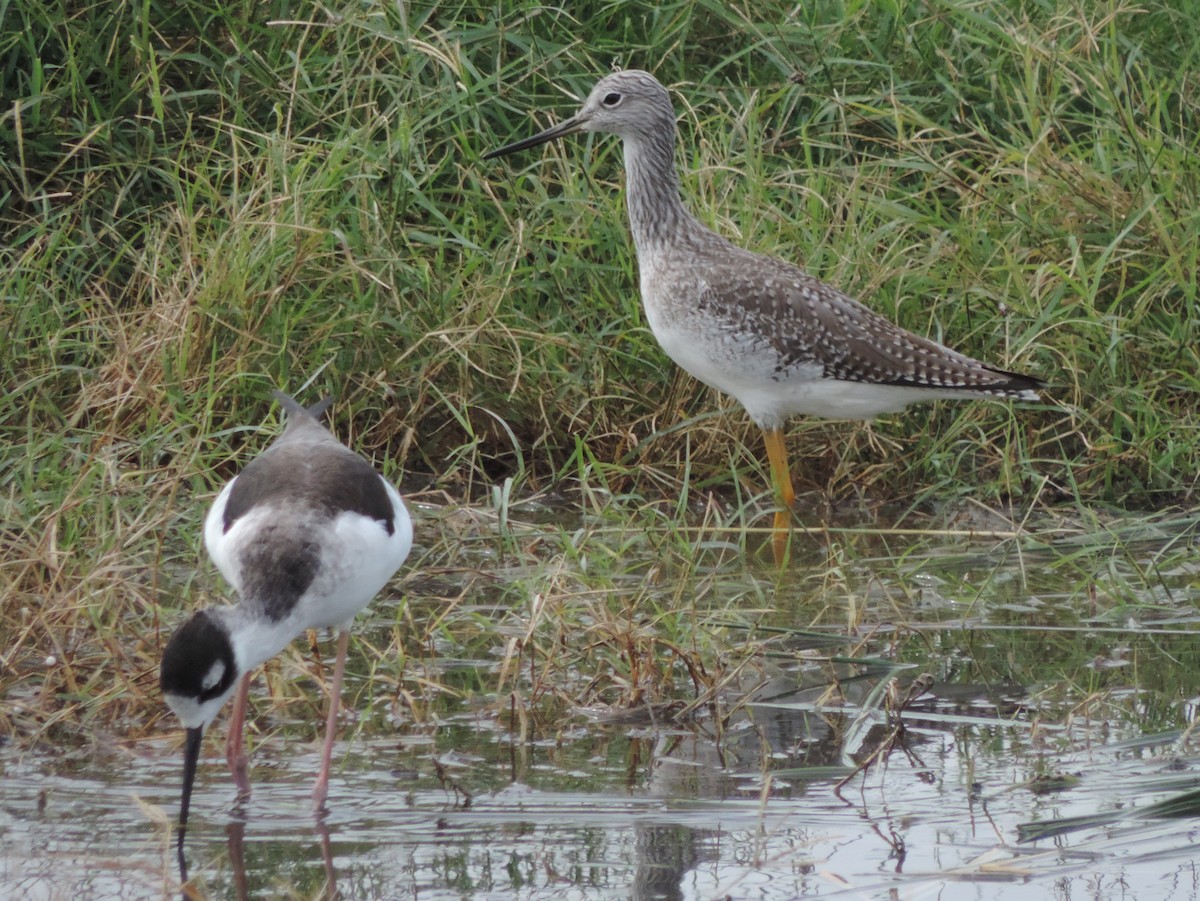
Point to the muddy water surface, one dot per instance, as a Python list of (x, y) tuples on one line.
[(1064, 671)]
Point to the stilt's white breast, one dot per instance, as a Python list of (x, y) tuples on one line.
[(357, 560), (217, 542)]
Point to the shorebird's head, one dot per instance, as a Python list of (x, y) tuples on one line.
[(198, 674), (630, 104), (199, 669)]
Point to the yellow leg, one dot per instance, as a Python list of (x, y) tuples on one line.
[(781, 478)]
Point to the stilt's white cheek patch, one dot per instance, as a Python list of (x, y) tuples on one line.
[(213, 677), (190, 712)]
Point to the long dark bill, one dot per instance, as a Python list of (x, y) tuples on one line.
[(570, 126), (191, 754)]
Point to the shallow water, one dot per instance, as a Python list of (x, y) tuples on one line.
[(1073, 657)]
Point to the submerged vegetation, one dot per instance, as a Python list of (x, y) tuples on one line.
[(200, 201)]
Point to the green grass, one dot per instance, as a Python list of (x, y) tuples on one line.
[(190, 219), (200, 201)]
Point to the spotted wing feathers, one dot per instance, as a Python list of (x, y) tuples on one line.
[(806, 322)]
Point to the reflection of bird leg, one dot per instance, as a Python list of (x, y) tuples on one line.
[(235, 833), (322, 830)]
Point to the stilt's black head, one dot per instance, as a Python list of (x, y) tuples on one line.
[(198, 674), (198, 670)]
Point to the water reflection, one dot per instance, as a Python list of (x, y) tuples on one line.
[(235, 849), (664, 854), (235, 837), (729, 793)]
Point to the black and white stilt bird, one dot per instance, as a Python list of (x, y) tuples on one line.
[(308, 533)]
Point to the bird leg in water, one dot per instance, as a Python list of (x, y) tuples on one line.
[(235, 745), (321, 789)]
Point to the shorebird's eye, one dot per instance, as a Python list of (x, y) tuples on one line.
[(612, 99)]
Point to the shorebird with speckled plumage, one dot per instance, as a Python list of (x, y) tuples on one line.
[(779, 340), (307, 534)]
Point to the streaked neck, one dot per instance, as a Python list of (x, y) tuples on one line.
[(657, 216)]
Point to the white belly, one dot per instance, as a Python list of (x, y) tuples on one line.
[(354, 556), (747, 370)]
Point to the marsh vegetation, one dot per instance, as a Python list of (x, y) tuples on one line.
[(589, 656)]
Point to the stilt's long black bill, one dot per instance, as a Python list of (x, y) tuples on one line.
[(570, 126), (191, 754)]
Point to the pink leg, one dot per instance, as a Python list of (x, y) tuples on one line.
[(321, 789), (235, 748)]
